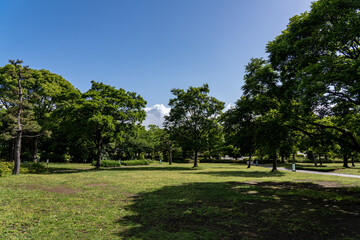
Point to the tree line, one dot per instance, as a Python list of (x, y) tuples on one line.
[(303, 97)]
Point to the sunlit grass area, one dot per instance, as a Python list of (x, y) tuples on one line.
[(214, 201)]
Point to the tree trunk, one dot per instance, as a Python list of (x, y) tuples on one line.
[(98, 160), (98, 157), (346, 161), (249, 162), (320, 161), (196, 159), (293, 158), (325, 156), (313, 158), (17, 154), (35, 147), (274, 164), (352, 161), (170, 155)]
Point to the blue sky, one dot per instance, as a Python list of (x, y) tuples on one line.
[(146, 46)]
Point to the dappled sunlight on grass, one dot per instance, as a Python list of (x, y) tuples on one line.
[(169, 202)]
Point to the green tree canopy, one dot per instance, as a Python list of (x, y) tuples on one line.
[(192, 116)]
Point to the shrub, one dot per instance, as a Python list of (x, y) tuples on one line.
[(107, 163), (181, 160), (5, 168), (113, 163), (34, 167), (136, 162), (219, 161)]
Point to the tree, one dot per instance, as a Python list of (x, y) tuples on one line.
[(264, 100), (14, 95), (49, 91), (318, 59), (240, 127), (192, 116), (102, 114)]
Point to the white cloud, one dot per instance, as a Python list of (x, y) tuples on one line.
[(155, 115), (229, 106)]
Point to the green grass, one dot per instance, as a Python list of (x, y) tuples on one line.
[(214, 201)]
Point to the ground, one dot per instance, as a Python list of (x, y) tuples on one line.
[(215, 201)]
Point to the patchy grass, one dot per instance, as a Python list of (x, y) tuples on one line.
[(215, 201)]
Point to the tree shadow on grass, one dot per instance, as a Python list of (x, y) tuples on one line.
[(235, 210), (245, 174), (149, 168), (124, 168)]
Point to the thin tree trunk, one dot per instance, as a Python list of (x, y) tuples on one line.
[(196, 159), (320, 161), (274, 164), (326, 158), (35, 147), (352, 161), (98, 160), (293, 158), (345, 161), (314, 159), (249, 162), (170, 155), (17, 156)]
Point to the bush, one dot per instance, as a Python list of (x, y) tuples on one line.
[(34, 167), (181, 160), (219, 161), (5, 168), (113, 163), (136, 162), (107, 163)]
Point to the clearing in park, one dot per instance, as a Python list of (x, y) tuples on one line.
[(215, 201)]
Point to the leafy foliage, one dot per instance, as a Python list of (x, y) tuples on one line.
[(192, 117), (108, 163), (5, 168), (35, 167)]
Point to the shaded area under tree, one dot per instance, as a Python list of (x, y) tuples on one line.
[(252, 210)]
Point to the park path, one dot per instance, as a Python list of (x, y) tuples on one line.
[(315, 172)]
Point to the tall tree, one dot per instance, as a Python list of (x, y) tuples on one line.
[(192, 116), (318, 59), (101, 114), (14, 96), (240, 126)]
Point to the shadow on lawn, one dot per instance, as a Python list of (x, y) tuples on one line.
[(124, 168), (235, 210), (246, 174)]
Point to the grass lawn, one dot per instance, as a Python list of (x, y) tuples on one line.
[(215, 201)]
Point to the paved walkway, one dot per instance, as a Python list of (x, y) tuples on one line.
[(315, 172)]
